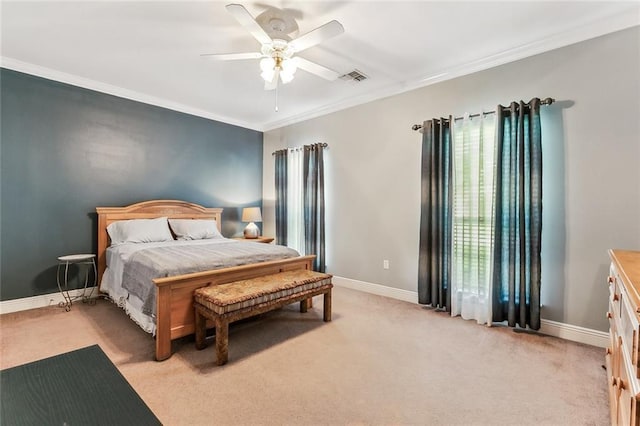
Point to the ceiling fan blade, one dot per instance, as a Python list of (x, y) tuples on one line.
[(231, 56), (316, 69), (243, 16), (271, 85), (313, 37)]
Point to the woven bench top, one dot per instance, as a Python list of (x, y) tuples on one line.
[(237, 292)]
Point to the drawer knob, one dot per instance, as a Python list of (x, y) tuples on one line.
[(609, 315), (616, 297), (610, 279), (607, 351), (620, 384)]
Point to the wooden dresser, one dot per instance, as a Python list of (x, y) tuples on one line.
[(622, 356)]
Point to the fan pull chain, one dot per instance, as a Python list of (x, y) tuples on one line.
[(277, 97)]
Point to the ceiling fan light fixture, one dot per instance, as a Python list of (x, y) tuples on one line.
[(288, 69), (267, 75), (289, 66), (286, 77), (274, 30), (268, 67), (267, 64)]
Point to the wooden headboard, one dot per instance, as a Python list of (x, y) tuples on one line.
[(174, 209)]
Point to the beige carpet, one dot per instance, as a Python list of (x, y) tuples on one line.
[(380, 362)]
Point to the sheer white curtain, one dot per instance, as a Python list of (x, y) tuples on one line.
[(473, 164), (295, 200)]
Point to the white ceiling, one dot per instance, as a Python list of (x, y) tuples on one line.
[(150, 51)]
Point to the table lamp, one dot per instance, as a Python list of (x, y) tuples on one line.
[(251, 215)]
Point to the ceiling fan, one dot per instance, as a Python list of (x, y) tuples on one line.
[(273, 29)]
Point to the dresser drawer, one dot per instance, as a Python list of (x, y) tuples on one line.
[(627, 404), (614, 352), (612, 387), (615, 290), (628, 330), (613, 315), (614, 281)]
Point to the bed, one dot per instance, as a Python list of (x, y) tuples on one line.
[(173, 313)]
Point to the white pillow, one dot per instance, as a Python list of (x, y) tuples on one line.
[(139, 231), (195, 229)]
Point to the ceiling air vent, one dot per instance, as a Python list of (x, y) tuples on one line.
[(354, 75)]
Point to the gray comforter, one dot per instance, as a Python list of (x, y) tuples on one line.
[(147, 264)]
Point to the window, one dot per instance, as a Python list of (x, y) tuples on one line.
[(295, 200), (473, 169), (299, 180)]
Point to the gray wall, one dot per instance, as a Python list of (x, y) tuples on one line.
[(591, 143), (66, 150)]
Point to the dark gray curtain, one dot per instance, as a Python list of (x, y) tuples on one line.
[(518, 215), (434, 265), (313, 186), (281, 196)]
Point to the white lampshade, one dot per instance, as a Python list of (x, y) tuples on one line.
[(286, 66), (289, 68), (267, 64), (251, 214), (267, 75), (286, 77)]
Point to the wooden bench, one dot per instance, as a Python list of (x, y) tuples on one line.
[(226, 303)]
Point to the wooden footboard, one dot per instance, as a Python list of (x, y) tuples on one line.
[(174, 298)]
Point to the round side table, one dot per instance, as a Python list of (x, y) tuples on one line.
[(77, 259)]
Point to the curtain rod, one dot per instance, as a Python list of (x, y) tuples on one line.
[(324, 145), (547, 101)]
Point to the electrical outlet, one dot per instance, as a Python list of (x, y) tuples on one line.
[(385, 264)]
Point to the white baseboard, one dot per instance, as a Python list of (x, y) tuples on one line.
[(51, 299), (380, 290), (574, 333), (548, 327)]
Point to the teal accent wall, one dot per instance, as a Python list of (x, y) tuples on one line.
[(65, 150)]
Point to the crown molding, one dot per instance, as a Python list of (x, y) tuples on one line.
[(86, 83), (618, 22)]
